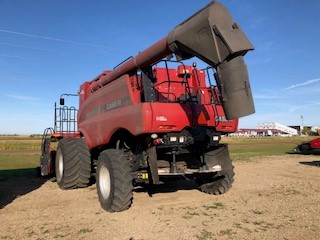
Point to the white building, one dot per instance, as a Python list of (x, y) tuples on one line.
[(278, 127), (315, 129)]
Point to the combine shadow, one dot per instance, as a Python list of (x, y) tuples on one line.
[(17, 182), (310, 152), (312, 163), (167, 187)]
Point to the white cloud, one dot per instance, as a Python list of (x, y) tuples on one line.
[(22, 97), (297, 107), (266, 96), (51, 38), (266, 93), (304, 83)]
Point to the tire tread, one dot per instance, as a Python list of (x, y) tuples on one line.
[(121, 196), (221, 183), (77, 163)]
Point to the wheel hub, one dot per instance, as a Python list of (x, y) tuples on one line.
[(104, 182), (60, 167)]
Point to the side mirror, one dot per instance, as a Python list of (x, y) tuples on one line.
[(62, 101)]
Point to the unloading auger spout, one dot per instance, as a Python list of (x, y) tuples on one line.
[(212, 36)]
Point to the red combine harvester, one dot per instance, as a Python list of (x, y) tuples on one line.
[(144, 121), (308, 146)]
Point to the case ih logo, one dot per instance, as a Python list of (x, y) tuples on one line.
[(106, 107), (221, 119), (113, 104), (161, 119)]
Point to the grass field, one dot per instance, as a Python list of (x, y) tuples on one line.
[(24, 152), (19, 156), (19, 143), (244, 148)]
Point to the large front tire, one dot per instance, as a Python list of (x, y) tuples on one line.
[(114, 180), (305, 147), (222, 181), (73, 163)]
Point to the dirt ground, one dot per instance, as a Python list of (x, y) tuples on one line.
[(272, 198)]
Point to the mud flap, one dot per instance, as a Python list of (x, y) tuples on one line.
[(222, 181), (219, 156), (152, 162)]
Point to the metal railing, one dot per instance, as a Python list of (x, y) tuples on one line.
[(65, 120)]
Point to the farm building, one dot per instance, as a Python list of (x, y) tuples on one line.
[(254, 132), (266, 129), (278, 127)]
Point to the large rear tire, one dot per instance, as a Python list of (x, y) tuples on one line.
[(73, 163), (222, 181), (114, 180), (305, 147)]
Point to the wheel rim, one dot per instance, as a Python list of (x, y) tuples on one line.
[(104, 182), (60, 167)]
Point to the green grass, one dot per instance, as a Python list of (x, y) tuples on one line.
[(13, 156), (14, 161), (244, 148), (216, 205), (19, 161), (17, 165), (205, 235), (20, 144), (85, 230)]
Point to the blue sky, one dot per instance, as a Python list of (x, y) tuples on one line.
[(51, 47)]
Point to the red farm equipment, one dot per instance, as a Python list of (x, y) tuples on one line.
[(144, 121), (65, 126), (308, 146)]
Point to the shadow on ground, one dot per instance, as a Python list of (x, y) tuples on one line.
[(168, 186), (17, 182), (309, 152), (312, 163)]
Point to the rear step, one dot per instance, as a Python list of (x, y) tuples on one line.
[(166, 171)]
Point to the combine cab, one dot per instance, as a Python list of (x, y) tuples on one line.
[(151, 118)]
